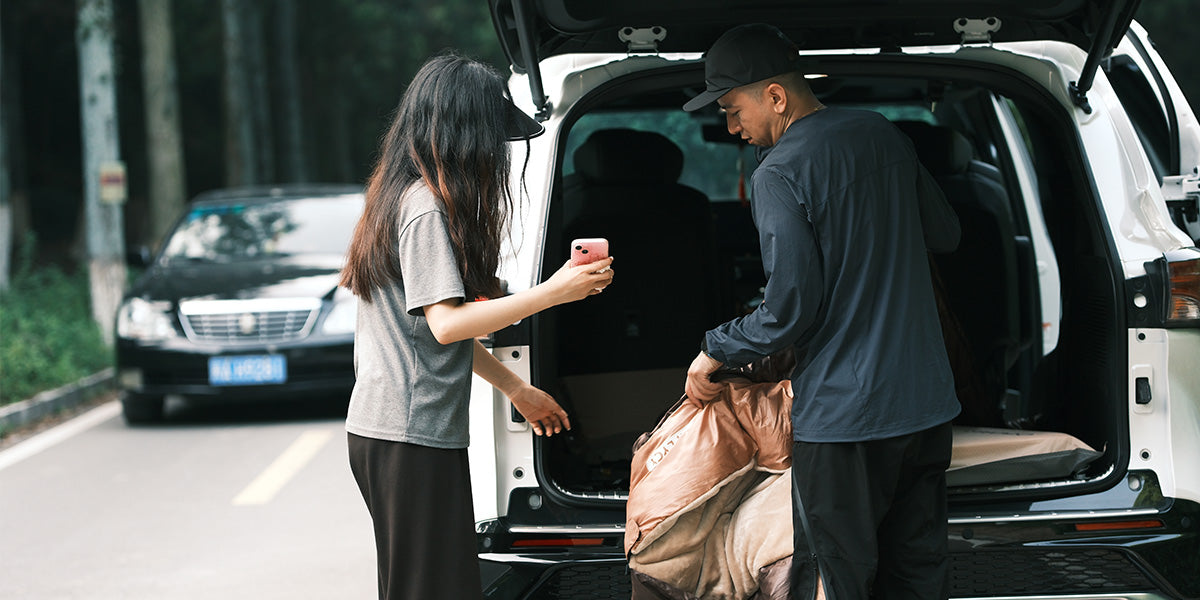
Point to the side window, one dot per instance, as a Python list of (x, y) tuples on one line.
[(1144, 110), (709, 166), (1017, 135), (1018, 121)]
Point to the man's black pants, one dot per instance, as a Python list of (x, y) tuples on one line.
[(877, 511)]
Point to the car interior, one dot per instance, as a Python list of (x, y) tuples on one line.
[(1030, 352)]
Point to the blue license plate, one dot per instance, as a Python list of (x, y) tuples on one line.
[(247, 370)]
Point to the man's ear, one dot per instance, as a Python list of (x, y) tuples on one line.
[(777, 96)]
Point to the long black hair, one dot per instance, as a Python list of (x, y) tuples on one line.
[(449, 131)]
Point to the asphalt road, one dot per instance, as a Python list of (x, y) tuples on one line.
[(221, 502)]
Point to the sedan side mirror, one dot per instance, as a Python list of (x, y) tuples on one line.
[(139, 256)]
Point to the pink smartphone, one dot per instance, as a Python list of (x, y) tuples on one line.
[(586, 250)]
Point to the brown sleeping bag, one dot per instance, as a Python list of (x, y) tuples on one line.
[(709, 510)]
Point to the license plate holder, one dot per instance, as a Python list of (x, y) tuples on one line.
[(252, 369)]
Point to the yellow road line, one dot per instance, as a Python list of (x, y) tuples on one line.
[(270, 481)]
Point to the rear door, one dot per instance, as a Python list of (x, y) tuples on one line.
[(533, 30)]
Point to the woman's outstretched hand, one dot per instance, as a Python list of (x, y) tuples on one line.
[(540, 410), (573, 283)]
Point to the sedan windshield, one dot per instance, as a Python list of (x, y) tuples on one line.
[(256, 230)]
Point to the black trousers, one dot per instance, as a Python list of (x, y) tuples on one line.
[(878, 516), (420, 503)]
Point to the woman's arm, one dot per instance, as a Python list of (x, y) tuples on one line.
[(539, 409), (453, 320)]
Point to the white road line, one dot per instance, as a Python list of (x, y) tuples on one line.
[(270, 481), (56, 435)]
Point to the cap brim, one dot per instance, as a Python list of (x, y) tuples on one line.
[(704, 99), (520, 126)]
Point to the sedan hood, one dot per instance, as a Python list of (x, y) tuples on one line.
[(243, 281)]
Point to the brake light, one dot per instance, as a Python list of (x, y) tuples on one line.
[(559, 542), (1119, 525), (1183, 271)]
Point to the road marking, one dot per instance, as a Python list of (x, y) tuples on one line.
[(59, 434), (270, 481)]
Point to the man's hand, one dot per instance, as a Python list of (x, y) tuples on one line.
[(540, 410), (699, 388)]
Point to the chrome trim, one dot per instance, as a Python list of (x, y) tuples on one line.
[(189, 309), (623, 497), (568, 530), (1041, 485), (1054, 516), (533, 559), (224, 307)]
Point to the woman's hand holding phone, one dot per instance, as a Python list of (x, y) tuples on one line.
[(576, 282), (587, 273)]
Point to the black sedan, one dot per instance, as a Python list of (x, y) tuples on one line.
[(242, 302)]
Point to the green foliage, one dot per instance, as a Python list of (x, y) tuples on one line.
[(47, 335)]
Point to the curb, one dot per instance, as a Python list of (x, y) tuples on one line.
[(49, 402)]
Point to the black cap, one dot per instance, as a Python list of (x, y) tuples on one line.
[(518, 125), (744, 55)]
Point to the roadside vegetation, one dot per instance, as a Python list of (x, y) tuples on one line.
[(47, 335)]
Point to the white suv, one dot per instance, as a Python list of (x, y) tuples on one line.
[(1070, 154)]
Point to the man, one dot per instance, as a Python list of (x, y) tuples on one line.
[(845, 213)]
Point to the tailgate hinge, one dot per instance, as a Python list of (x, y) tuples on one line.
[(977, 31), (1182, 193), (642, 39)]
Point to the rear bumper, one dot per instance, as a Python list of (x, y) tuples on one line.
[(1026, 559)]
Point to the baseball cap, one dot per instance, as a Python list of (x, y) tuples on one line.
[(518, 125), (744, 55)]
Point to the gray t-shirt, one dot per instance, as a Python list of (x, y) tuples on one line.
[(409, 387)]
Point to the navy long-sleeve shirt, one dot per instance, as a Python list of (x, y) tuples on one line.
[(845, 213)]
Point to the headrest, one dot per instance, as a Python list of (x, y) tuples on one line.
[(942, 150), (628, 156)]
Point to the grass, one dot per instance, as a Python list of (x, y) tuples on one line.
[(47, 335)]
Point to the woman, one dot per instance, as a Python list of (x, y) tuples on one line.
[(437, 207)]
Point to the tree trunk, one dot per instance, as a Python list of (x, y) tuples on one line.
[(98, 105), (260, 96), (164, 140), (293, 131), (340, 131), (241, 158)]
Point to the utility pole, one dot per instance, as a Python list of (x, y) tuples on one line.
[(6, 212), (103, 172)]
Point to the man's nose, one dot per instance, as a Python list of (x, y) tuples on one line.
[(732, 125)]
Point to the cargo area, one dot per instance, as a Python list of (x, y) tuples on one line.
[(1028, 300)]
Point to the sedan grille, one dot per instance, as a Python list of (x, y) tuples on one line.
[(249, 321)]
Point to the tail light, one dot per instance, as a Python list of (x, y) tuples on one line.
[(1183, 274)]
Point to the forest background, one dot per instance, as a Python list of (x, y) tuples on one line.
[(265, 91)]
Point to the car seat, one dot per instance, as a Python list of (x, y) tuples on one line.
[(626, 189), (982, 276)]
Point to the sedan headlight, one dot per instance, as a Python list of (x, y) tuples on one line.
[(145, 321), (342, 317)]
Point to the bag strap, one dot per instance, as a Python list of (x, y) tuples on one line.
[(670, 411)]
